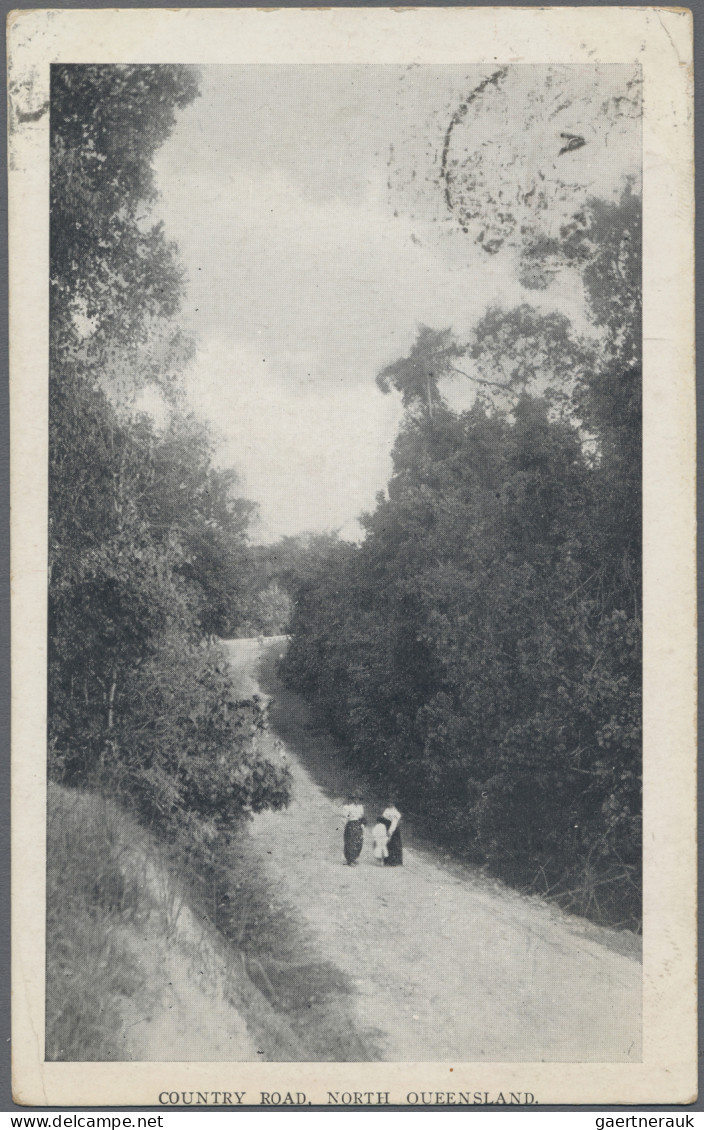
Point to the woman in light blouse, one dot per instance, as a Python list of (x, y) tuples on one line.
[(394, 846)]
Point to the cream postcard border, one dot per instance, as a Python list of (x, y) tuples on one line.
[(661, 40)]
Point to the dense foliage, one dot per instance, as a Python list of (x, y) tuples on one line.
[(480, 651), (147, 540), (275, 573)]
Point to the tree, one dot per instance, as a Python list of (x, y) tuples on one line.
[(526, 350), (272, 610), (111, 270), (480, 650), (417, 377), (188, 498), (147, 537)]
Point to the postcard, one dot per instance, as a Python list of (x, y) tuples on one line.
[(353, 485)]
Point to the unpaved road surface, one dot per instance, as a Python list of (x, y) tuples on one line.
[(445, 965)]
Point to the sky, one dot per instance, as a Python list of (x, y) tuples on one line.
[(315, 237)]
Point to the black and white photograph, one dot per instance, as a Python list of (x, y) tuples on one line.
[(342, 676)]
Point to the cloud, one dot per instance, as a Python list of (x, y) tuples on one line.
[(303, 283), (345, 281), (296, 305), (312, 454)]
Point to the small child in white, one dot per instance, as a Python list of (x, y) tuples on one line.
[(380, 833)]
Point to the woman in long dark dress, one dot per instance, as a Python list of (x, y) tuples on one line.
[(394, 846), (354, 829)]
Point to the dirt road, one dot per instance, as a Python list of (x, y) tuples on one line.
[(445, 964)]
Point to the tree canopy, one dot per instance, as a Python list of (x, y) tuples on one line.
[(111, 268), (480, 651), (148, 539)]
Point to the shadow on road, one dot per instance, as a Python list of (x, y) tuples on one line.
[(313, 744), (317, 751)]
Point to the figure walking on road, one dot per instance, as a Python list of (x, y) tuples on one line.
[(354, 829), (380, 832), (394, 846)]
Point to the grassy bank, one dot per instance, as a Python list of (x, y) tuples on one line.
[(310, 996), (94, 898)]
